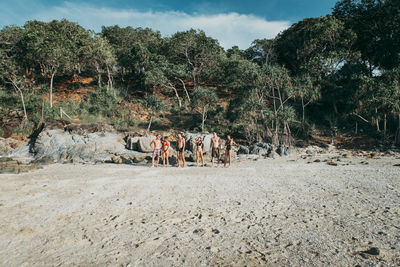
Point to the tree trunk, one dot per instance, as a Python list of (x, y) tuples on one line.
[(335, 108), (99, 80), (177, 96), (203, 119), (184, 88), (109, 83), (384, 125), (377, 121), (151, 119), (303, 113), (397, 139), (377, 125), (51, 88), (22, 99)]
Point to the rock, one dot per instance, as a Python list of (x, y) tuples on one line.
[(61, 146), (10, 165), (256, 150), (309, 151), (141, 157), (144, 142), (272, 154), (116, 159), (172, 160), (332, 163), (243, 150), (280, 150), (132, 142), (346, 155)]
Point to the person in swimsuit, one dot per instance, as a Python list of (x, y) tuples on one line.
[(228, 150), (165, 150), (156, 146), (180, 150), (215, 147), (199, 151)]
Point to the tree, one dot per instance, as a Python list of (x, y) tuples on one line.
[(316, 47), (161, 72), (275, 86), (262, 51), (102, 58), (10, 69), (154, 104), (377, 27), (197, 51), (53, 47), (204, 99), (307, 92)]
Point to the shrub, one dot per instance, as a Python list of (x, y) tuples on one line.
[(101, 102)]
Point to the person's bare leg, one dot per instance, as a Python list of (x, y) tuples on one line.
[(212, 162), (152, 161), (202, 159), (230, 156), (197, 158), (158, 159), (166, 155), (183, 159), (178, 158), (163, 160)]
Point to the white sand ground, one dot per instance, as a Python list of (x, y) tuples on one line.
[(281, 212)]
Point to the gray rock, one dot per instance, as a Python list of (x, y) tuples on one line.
[(132, 142), (116, 159), (144, 142), (243, 150), (280, 150), (272, 155), (61, 146)]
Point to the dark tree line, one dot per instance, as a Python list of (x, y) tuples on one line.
[(340, 71)]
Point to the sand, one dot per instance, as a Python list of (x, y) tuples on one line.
[(282, 212)]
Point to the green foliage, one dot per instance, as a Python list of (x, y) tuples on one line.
[(153, 103), (329, 71), (102, 102), (203, 99), (125, 125)]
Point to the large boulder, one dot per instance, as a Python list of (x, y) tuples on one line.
[(132, 142), (243, 150), (261, 149), (62, 146), (143, 143)]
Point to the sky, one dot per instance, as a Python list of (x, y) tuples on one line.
[(231, 22)]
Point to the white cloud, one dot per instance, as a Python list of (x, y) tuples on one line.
[(228, 28)]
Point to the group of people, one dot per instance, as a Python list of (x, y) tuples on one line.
[(161, 148)]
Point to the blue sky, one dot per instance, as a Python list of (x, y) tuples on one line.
[(234, 22)]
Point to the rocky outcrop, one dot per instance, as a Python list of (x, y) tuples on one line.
[(11, 165)]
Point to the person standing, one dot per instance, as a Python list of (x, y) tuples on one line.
[(165, 150), (180, 150), (228, 150), (215, 147), (199, 151), (156, 146)]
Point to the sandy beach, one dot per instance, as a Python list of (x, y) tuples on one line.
[(283, 212)]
